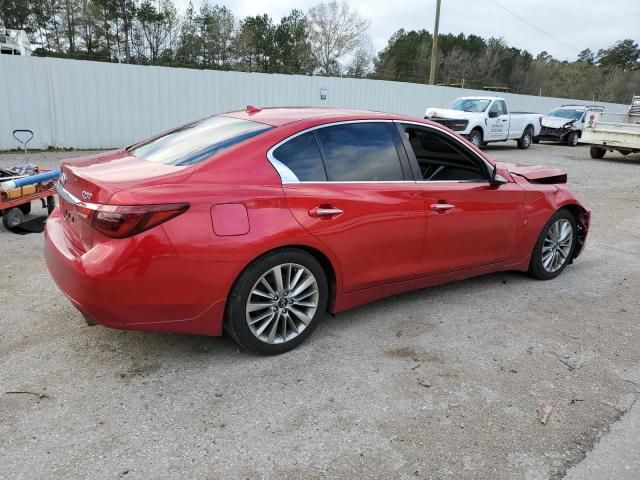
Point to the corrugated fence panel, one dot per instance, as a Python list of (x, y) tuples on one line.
[(78, 104)]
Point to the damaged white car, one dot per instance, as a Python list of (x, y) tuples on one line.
[(565, 124)]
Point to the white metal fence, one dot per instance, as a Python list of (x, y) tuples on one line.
[(80, 104)]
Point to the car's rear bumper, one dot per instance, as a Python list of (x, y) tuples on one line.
[(137, 283)]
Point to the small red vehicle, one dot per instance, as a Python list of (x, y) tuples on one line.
[(260, 221)]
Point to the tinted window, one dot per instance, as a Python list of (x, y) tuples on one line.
[(302, 156), (360, 152), (198, 141), (470, 105), (441, 157)]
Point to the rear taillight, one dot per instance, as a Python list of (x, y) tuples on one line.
[(117, 221)]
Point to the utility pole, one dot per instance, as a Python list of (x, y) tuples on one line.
[(434, 47)]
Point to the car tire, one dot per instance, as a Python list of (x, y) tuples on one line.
[(12, 218), (554, 249), (525, 140), (475, 137), (536, 140), (263, 316), (572, 139), (597, 152)]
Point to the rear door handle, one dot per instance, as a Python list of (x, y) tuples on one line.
[(325, 212), (442, 207)]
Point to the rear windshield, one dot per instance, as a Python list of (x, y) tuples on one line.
[(198, 141)]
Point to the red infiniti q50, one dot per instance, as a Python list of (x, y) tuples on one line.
[(260, 221)]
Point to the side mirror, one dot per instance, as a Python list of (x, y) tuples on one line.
[(493, 114), (499, 176)]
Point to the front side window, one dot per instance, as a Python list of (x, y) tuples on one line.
[(198, 141), (441, 158), (360, 152), (302, 156)]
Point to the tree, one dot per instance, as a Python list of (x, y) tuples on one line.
[(361, 62), (335, 31), (292, 53), (625, 54), (217, 29), (255, 42), (587, 56)]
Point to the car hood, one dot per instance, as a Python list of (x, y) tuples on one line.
[(453, 114), (534, 173), (555, 122)]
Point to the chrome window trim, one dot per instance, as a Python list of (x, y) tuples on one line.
[(288, 177)]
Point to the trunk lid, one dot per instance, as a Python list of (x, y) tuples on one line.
[(96, 178)]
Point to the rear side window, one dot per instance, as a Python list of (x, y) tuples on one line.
[(360, 152), (302, 156), (198, 141)]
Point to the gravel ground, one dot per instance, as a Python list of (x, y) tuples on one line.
[(434, 384)]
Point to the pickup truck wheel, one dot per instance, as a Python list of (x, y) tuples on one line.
[(524, 141), (475, 137), (597, 152), (572, 139)]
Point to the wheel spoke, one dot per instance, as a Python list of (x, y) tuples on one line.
[(254, 307), (303, 286), (274, 328), (304, 295), (277, 273), (262, 294), (261, 317), (296, 279), (304, 318), (264, 326), (263, 281)]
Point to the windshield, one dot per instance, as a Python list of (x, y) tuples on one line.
[(198, 141), (470, 105), (564, 113)]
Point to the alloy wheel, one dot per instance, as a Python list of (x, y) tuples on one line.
[(282, 303), (557, 245)]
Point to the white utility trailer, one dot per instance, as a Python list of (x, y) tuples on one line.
[(613, 131)]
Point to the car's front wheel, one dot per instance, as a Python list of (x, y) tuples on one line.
[(475, 137), (572, 139), (277, 302), (554, 248)]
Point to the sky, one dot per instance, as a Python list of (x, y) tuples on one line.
[(573, 25)]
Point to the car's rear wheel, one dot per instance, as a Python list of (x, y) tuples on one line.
[(597, 152), (572, 139), (554, 248), (277, 302), (525, 140)]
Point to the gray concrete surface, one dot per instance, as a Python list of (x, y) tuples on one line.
[(435, 384), (616, 456)]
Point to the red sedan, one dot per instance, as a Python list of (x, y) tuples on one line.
[(259, 221)]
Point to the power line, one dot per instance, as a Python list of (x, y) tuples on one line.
[(533, 26)]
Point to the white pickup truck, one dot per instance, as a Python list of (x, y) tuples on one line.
[(613, 131), (486, 119)]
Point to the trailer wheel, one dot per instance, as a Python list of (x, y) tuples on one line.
[(25, 208), (12, 218), (597, 152), (51, 204)]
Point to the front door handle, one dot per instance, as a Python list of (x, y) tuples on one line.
[(325, 212), (442, 207)]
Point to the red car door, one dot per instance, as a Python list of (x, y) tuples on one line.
[(470, 222), (347, 185)]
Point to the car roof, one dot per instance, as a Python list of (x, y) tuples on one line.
[(278, 116)]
